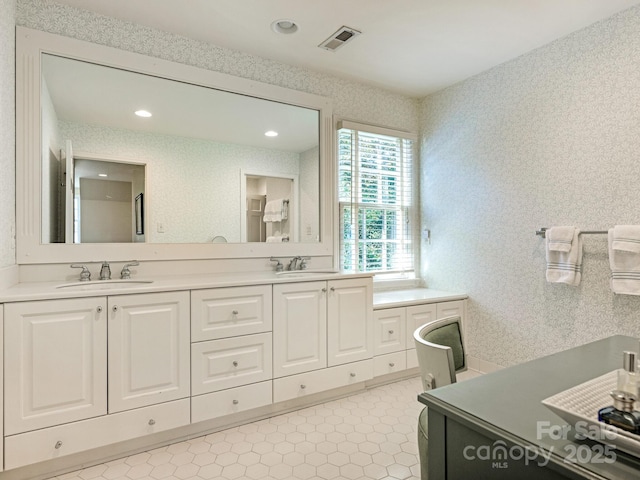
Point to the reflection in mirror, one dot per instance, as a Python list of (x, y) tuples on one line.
[(196, 144), (271, 208)]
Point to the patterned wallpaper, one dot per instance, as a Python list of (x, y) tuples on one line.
[(550, 138), (7, 134)]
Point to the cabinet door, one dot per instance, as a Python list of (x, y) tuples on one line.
[(389, 330), (349, 320), (299, 327), (148, 349), (447, 309), (417, 316), (55, 361)]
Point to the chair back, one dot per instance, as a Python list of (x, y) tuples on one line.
[(440, 349)]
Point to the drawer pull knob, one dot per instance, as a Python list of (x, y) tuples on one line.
[(303, 386), (333, 289), (324, 290), (115, 308), (152, 422), (58, 444), (235, 312), (99, 309), (235, 364), (392, 364), (390, 332), (235, 402), (352, 374)]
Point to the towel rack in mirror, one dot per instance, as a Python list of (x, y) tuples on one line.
[(542, 232)]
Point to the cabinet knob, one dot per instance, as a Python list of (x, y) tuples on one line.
[(235, 312), (390, 332), (99, 309), (235, 364), (324, 290), (303, 386), (115, 308), (392, 364), (58, 445), (152, 422), (352, 374), (333, 289), (235, 402)]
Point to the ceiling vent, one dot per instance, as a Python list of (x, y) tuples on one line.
[(338, 39)]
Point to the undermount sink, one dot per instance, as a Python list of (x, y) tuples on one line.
[(105, 284), (295, 273)]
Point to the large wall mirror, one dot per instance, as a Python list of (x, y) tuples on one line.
[(220, 166)]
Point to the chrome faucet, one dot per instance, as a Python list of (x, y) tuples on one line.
[(105, 271), (125, 273), (293, 264), (85, 275)]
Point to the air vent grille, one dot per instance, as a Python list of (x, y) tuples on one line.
[(339, 38)]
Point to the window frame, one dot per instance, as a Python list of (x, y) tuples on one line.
[(410, 212)]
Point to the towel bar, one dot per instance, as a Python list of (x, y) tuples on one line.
[(541, 232)]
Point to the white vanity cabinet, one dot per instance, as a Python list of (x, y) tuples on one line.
[(55, 358), (394, 345), (149, 349), (71, 364)]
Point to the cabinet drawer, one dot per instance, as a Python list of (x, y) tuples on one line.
[(389, 363), (229, 312), (233, 400), (412, 358), (230, 362), (55, 442), (417, 316), (305, 384), (389, 330)]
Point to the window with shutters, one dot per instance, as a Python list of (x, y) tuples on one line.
[(376, 204)]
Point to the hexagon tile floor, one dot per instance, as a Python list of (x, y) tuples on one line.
[(370, 435)]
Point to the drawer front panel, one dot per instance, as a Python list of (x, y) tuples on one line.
[(389, 363), (231, 362), (229, 312), (305, 384), (417, 316), (233, 400), (56, 442), (389, 330)]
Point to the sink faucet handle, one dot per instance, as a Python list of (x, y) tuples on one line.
[(105, 271), (303, 263), (125, 273), (85, 274), (279, 266)]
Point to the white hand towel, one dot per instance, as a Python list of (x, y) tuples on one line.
[(626, 238), (273, 211), (565, 267), (559, 238), (275, 239), (625, 269)]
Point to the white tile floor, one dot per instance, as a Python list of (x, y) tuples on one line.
[(370, 435)]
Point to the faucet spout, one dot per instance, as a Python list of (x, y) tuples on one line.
[(105, 271), (293, 264)]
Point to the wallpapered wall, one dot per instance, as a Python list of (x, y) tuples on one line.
[(550, 138), (7, 134)]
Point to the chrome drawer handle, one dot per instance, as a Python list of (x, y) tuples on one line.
[(235, 312), (235, 364), (390, 332), (324, 290), (352, 374), (152, 422), (235, 402), (392, 364), (333, 289), (99, 309), (58, 444), (115, 308), (303, 386)]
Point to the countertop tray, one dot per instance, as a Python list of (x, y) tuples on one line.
[(579, 406)]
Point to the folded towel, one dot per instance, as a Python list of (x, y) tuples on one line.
[(273, 211), (275, 239), (625, 269), (626, 238), (565, 267), (559, 238)]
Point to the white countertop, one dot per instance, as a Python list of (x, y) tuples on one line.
[(414, 296), (49, 290)]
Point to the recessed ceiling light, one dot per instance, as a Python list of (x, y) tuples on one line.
[(102, 175), (143, 113), (271, 133), (284, 26)]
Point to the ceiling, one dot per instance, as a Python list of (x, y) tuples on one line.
[(413, 47)]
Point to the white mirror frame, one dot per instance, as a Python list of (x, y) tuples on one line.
[(30, 44)]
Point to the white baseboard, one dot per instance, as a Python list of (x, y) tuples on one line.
[(483, 366)]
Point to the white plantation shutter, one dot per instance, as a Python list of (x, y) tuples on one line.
[(375, 186)]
